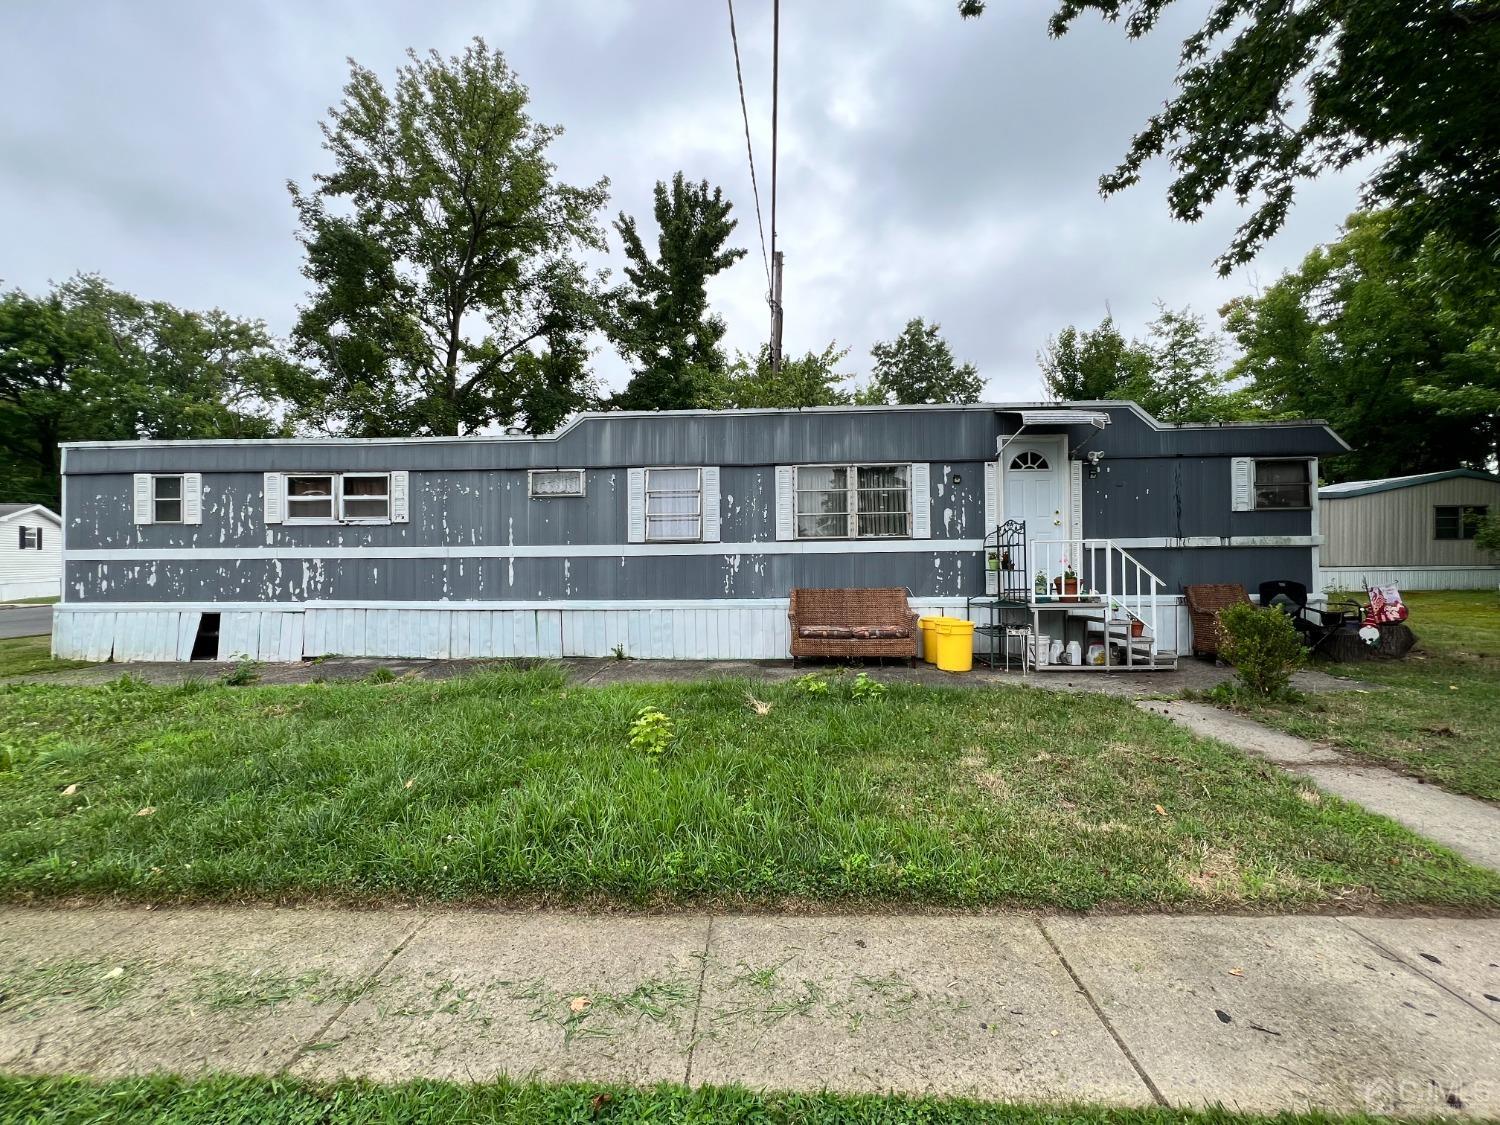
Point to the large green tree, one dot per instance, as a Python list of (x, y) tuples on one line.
[(1272, 93), (1401, 353), (661, 321), (918, 366), (1176, 373), (86, 362), (813, 379), (443, 253), (1093, 363)]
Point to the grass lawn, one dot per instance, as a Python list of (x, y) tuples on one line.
[(23, 656), (509, 785), (52, 600), (1439, 718), (172, 1101)]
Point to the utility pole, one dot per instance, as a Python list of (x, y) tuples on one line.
[(775, 313), (775, 253)]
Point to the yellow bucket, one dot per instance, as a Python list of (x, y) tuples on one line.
[(929, 638), (955, 644)]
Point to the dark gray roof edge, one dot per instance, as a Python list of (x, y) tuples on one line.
[(1394, 484), (595, 415)]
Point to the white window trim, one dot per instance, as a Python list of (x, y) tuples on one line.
[(287, 499), (646, 504), (532, 474), (181, 497), (344, 517), (852, 488), (1312, 485), (31, 538)]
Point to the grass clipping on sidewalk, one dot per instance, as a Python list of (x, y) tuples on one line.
[(508, 785)]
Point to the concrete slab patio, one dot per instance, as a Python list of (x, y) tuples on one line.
[(1382, 1015)]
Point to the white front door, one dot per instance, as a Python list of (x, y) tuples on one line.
[(1035, 474)]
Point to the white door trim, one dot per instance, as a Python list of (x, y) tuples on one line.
[(1059, 467)]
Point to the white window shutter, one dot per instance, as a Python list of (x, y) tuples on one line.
[(786, 502), (274, 490), (1075, 506), (636, 505), (1242, 483), (400, 493), (710, 503), (142, 495), (192, 498), (921, 500), (991, 497)]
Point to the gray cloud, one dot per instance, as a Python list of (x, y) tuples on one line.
[(929, 166)]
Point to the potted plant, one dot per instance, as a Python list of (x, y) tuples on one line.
[(1041, 586), (1137, 626), (1066, 587), (1005, 562)]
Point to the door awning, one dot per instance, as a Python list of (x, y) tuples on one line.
[(1062, 416)]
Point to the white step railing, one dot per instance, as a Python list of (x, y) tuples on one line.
[(1103, 575)]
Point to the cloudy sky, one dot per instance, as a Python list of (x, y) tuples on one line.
[(930, 166)]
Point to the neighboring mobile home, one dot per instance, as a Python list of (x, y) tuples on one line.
[(30, 552), (668, 534), (1415, 532)]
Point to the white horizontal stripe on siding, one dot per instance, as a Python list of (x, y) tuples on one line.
[(534, 551)]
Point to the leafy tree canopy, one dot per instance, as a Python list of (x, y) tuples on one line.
[(661, 320), (86, 362), (813, 379), (1400, 353), (918, 366), (1272, 93), (441, 249), (1176, 373)]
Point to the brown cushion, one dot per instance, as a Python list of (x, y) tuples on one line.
[(853, 632)]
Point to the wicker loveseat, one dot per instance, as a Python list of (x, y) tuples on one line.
[(852, 622)]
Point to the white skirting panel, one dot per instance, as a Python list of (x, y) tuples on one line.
[(703, 630), (1409, 577)]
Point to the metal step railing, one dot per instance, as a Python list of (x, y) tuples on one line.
[(1100, 574)]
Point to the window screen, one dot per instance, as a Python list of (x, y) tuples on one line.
[(1282, 484)]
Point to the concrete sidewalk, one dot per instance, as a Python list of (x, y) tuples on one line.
[(1275, 1013)]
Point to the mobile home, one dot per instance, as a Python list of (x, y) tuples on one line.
[(666, 534), (1416, 532), (30, 552)]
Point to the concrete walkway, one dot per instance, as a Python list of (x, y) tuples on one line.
[(1469, 827), (1279, 1013)]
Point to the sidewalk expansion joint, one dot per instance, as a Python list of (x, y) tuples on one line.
[(343, 1008), (1104, 1019), (1415, 969), (708, 932)]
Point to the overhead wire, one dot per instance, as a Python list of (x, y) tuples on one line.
[(750, 152)]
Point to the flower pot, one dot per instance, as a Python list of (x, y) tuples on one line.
[(1066, 589), (1137, 627)]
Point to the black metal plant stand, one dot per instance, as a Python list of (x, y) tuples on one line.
[(1001, 614)]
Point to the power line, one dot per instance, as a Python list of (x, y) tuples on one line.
[(750, 152)]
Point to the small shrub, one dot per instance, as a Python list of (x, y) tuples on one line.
[(651, 732), (1487, 534), (1264, 647), (381, 675), (865, 688), (619, 651), (811, 684), (244, 672)]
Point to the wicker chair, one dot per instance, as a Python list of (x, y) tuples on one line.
[(1204, 603), (852, 622)]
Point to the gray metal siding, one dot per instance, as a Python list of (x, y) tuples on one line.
[(1398, 527), (1178, 497)]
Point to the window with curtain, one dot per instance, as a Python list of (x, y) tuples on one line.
[(674, 505), (1282, 484), (853, 501), (365, 496)]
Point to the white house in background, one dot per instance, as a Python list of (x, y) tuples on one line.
[(30, 552), (1414, 531)]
